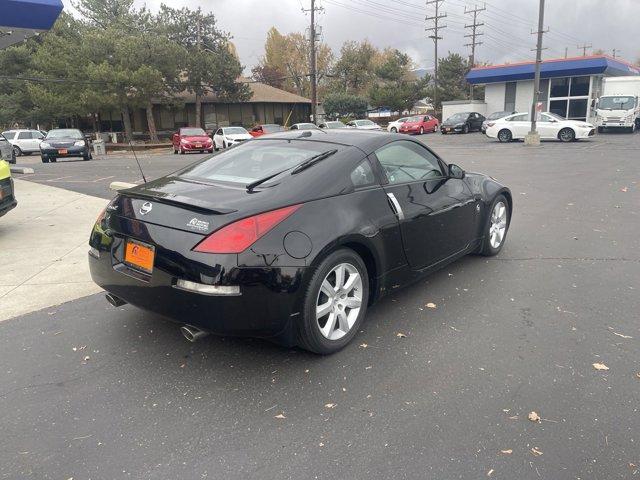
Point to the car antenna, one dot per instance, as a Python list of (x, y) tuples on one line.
[(136, 157)]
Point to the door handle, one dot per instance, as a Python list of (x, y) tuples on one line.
[(395, 205)]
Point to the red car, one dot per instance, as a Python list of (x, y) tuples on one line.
[(420, 124), (191, 139), (260, 130)]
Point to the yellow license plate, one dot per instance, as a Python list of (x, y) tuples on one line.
[(62, 151), (139, 255)]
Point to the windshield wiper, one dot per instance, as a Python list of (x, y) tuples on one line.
[(313, 160), (296, 168)]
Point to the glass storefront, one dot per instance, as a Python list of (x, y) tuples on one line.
[(569, 97)]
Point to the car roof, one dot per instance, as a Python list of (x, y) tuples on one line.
[(365, 140)]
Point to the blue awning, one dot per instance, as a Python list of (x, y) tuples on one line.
[(565, 67), (21, 19)]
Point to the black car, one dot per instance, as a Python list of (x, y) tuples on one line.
[(64, 142), (7, 151), (291, 236), (463, 122)]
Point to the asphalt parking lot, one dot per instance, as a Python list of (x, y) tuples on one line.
[(91, 391)]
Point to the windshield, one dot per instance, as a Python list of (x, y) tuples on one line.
[(458, 117), (417, 118), (497, 115), (617, 103), (235, 131), (251, 161), (336, 125), (65, 133), (362, 123), (192, 132), (306, 126), (272, 128)]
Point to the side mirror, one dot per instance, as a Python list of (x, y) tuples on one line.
[(455, 171), (593, 103)]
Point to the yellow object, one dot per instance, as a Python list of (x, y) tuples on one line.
[(5, 172)]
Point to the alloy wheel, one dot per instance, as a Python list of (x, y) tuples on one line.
[(498, 226), (339, 301)]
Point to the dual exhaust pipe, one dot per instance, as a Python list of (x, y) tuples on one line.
[(191, 333)]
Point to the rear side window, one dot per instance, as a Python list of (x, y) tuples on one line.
[(405, 161), (362, 175), (8, 135), (24, 136), (519, 118)]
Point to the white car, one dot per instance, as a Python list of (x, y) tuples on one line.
[(304, 126), (364, 125), (25, 142), (550, 126), (229, 136), (394, 127)]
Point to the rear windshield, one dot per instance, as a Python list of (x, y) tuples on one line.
[(254, 160), (458, 117), (192, 132), (235, 131), (306, 126), (272, 128), (497, 115), (363, 122), (65, 133)]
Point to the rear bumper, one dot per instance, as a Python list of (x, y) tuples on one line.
[(269, 300)]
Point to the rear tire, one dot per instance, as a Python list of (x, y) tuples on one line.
[(489, 247), (600, 129), (329, 332), (44, 159), (465, 129), (394, 130), (16, 151), (567, 135), (181, 151), (435, 128), (421, 130), (505, 136)]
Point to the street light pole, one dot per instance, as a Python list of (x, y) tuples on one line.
[(533, 138)]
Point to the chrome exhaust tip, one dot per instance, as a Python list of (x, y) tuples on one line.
[(115, 301), (192, 333)]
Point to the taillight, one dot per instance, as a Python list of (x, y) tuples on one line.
[(238, 236)]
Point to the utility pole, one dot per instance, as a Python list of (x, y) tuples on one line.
[(473, 35), (615, 51), (435, 37), (584, 48), (566, 52), (313, 75), (533, 138), (199, 87)]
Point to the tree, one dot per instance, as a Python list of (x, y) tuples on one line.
[(354, 72), (344, 105), (452, 84), (268, 75), (210, 64)]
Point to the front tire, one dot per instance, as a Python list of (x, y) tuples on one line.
[(394, 130), (16, 151), (567, 135), (421, 130), (180, 151), (44, 159), (465, 129), (505, 136), (496, 228), (435, 128), (335, 303)]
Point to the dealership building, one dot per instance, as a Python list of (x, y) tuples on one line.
[(567, 85)]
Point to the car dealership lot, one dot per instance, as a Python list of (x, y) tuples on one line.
[(90, 391)]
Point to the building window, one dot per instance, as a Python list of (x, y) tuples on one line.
[(578, 108), (510, 96), (559, 107), (559, 87), (569, 97), (579, 87)]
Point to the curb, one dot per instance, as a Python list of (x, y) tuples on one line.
[(22, 170)]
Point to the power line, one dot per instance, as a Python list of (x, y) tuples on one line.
[(435, 37), (473, 35), (584, 48), (314, 70)]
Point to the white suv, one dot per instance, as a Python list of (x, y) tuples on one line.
[(25, 142)]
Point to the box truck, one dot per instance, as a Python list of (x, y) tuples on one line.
[(619, 104)]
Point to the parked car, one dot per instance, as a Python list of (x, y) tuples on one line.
[(364, 125), (226, 137), (420, 124), (260, 130), (463, 122), (7, 196), (550, 126), (65, 143), (191, 139), (332, 124), (238, 243), (394, 126), (304, 126), (25, 142), (6, 150), (494, 116)]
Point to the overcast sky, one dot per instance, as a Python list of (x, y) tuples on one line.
[(400, 23)]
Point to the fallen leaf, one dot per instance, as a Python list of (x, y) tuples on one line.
[(364, 345), (534, 417), (623, 189), (490, 472), (330, 405), (638, 374), (321, 444), (280, 416), (400, 335), (536, 452), (507, 452), (600, 366), (86, 358), (430, 305), (621, 335)]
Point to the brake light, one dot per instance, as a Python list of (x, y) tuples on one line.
[(240, 235)]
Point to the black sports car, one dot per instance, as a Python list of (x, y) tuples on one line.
[(291, 236)]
